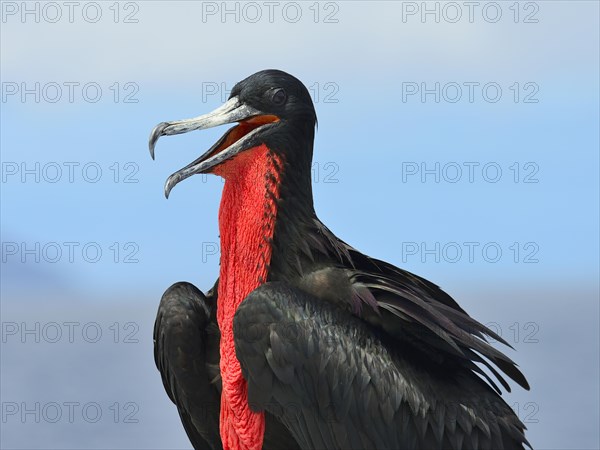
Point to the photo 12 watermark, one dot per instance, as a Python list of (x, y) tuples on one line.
[(69, 332), (321, 173), (320, 91), (70, 252), (70, 12), (470, 12), (470, 172), (70, 172), (271, 12), (470, 92), (471, 252), (69, 92), (71, 412)]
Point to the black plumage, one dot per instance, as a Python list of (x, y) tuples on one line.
[(341, 350), (186, 352)]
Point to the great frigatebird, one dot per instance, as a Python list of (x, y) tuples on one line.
[(304, 342)]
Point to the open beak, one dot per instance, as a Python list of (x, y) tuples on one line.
[(237, 139)]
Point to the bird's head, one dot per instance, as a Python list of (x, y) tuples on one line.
[(270, 108)]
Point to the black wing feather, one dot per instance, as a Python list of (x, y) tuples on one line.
[(413, 310), (335, 383), (184, 335), (186, 352)]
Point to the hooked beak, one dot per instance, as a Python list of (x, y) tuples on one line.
[(237, 139)]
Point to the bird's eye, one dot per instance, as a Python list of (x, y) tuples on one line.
[(279, 97)]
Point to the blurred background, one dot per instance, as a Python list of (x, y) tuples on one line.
[(458, 140)]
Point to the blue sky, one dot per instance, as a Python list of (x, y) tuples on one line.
[(513, 235)]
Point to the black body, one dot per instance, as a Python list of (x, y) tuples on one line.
[(342, 351)]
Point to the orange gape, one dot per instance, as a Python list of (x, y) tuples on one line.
[(242, 129), (246, 223)]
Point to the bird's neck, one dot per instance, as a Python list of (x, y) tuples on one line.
[(246, 222)]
